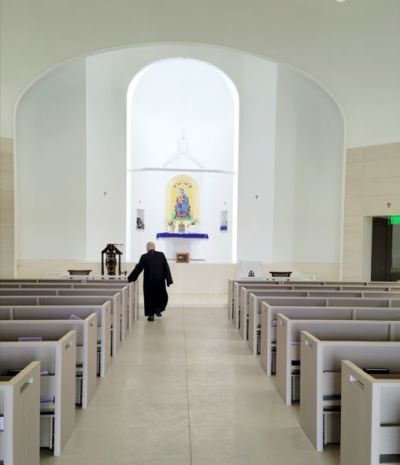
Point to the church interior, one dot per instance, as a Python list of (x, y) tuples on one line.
[(252, 150)]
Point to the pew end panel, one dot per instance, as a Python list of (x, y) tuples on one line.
[(59, 361), (371, 414), (284, 367), (90, 361), (251, 340), (230, 298), (105, 339), (320, 415), (330, 329), (263, 337), (21, 414), (357, 418), (65, 391), (311, 389), (236, 292), (53, 330)]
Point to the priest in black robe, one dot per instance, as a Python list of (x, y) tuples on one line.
[(156, 275)]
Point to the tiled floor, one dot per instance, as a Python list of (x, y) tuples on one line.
[(185, 390)]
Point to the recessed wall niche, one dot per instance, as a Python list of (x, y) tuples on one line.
[(182, 118)]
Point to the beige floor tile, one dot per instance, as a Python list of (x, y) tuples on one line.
[(185, 390)]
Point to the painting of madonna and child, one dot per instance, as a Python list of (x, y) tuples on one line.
[(182, 208)]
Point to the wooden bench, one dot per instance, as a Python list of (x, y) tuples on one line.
[(52, 330), (130, 290), (64, 312), (257, 329), (288, 367), (370, 418), (320, 380), (12, 301), (94, 289), (234, 289), (20, 416), (243, 302), (249, 295), (268, 347), (115, 296), (57, 365)]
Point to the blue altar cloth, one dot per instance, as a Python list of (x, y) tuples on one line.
[(164, 235)]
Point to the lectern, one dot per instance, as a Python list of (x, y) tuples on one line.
[(111, 256)]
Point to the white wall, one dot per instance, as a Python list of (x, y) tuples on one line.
[(169, 100), (308, 173), (256, 161), (351, 48), (289, 198), (151, 189), (108, 79), (51, 174), (182, 93)]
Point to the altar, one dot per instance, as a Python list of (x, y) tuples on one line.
[(175, 242)]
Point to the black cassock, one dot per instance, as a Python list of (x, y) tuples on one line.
[(156, 275)]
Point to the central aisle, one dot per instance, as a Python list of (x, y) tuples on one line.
[(185, 390)]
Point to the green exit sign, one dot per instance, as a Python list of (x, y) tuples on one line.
[(394, 219)]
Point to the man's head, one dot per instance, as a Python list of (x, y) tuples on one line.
[(150, 246)]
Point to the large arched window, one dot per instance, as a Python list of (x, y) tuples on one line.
[(182, 120)]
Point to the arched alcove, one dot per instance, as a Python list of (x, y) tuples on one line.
[(182, 118), (71, 160)]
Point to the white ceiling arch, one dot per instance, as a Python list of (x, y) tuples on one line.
[(352, 48)]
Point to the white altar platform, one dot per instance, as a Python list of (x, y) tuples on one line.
[(174, 243)]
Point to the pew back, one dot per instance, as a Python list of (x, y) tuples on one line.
[(320, 376), (58, 358), (269, 318), (63, 312), (13, 301), (257, 308), (288, 368), (52, 330), (20, 409), (370, 420)]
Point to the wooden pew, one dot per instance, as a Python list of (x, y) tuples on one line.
[(370, 418), (133, 293), (244, 291), (114, 295), (125, 289), (59, 359), (20, 417), (269, 321), (12, 301), (242, 307), (234, 286), (255, 313), (288, 368), (320, 380), (63, 313), (128, 302), (234, 289), (52, 330), (75, 283), (302, 291)]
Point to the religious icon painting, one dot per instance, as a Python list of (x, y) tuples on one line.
[(183, 201)]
